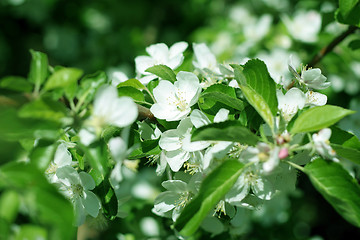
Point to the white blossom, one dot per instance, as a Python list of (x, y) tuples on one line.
[(109, 109), (217, 149), (312, 78), (159, 54), (76, 186), (174, 101), (250, 179), (118, 77), (62, 158), (263, 154), (291, 102), (275, 64), (178, 146), (304, 26), (178, 193), (315, 98), (322, 144), (206, 63)]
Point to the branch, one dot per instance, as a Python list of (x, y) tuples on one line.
[(317, 58), (144, 113)]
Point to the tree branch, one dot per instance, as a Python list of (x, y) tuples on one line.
[(144, 113), (317, 58)]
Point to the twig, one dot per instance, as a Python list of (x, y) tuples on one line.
[(317, 58), (144, 113)]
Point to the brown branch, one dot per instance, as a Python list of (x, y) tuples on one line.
[(144, 113), (317, 58)]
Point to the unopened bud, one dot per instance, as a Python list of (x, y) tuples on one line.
[(283, 153)]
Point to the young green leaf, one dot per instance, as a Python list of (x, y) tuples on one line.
[(12, 127), (132, 92), (9, 205), (63, 78), (347, 152), (162, 71), (132, 83), (213, 188), (40, 197), (348, 13), (258, 79), (43, 153), (43, 108), (336, 185), (232, 131), (98, 157), (219, 96), (14, 83), (259, 103), (346, 6), (38, 68), (317, 118), (146, 148)]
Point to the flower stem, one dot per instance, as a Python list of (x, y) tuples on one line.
[(325, 50), (298, 167)]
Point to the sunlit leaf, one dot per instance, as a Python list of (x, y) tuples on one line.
[(336, 185), (212, 189), (162, 71), (317, 118), (232, 131)]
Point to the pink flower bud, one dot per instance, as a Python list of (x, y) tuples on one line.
[(283, 153)]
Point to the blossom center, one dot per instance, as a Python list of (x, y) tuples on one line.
[(77, 190)]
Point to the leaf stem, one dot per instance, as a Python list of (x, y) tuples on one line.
[(298, 167), (325, 50)]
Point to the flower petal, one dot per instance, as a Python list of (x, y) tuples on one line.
[(125, 112), (198, 118), (176, 159), (142, 63), (91, 203), (175, 186), (62, 156), (170, 140), (87, 181)]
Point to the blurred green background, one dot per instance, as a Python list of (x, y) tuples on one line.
[(109, 34)]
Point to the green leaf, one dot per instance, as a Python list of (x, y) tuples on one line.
[(351, 17), (97, 155), (9, 205), (89, 85), (12, 127), (346, 144), (346, 6), (354, 45), (258, 79), (260, 105), (39, 198), (43, 154), (30, 232), (347, 152), (219, 96), (146, 148), (132, 83), (336, 185), (132, 92), (212, 190), (43, 108), (232, 131), (63, 78), (317, 118), (14, 83), (108, 199), (162, 71), (38, 68)]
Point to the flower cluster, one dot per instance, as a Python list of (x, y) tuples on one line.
[(189, 124)]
